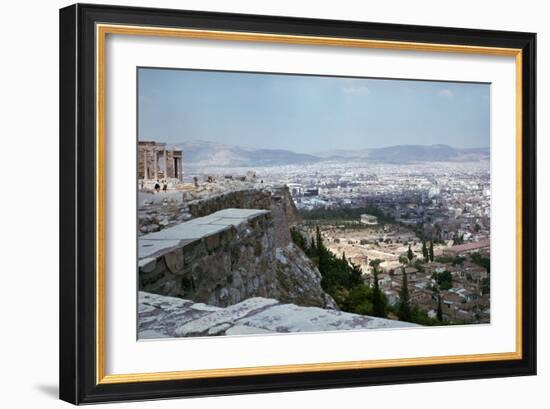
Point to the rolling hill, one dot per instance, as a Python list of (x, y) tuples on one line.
[(205, 153)]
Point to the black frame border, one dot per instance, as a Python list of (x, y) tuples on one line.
[(78, 197)]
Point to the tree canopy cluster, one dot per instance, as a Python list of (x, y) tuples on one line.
[(344, 282), (342, 279), (444, 280), (346, 213)]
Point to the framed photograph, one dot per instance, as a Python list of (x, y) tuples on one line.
[(258, 203)]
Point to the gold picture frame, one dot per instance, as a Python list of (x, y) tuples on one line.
[(97, 20)]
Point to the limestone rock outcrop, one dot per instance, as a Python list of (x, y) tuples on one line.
[(228, 256), (168, 317)]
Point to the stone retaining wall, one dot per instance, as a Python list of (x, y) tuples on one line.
[(226, 257), (238, 199)]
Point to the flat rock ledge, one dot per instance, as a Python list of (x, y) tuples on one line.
[(165, 241), (161, 316)]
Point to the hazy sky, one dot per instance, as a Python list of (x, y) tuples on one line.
[(309, 113)]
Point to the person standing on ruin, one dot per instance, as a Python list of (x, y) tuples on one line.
[(164, 186), (157, 187)]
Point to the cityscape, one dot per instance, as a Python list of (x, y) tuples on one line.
[(242, 239)]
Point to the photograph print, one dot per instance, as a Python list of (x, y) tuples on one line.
[(283, 203)]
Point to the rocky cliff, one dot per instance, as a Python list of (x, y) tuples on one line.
[(236, 246), (167, 317)]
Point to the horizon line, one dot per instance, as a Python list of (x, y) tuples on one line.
[(310, 153)]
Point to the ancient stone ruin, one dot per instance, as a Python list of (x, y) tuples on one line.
[(157, 161)]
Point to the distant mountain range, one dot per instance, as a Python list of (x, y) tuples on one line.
[(410, 153), (204, 153), (214, 154)]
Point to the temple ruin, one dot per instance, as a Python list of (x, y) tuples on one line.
[(156, 161)]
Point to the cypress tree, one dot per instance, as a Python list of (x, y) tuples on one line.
[(431, 251), (356, 275), (312, 250), (404, 310), (439, 308), (378, 309), (322, 253), (319, 240), (410, 254), (425, 251), (298, 239), (378, 304)]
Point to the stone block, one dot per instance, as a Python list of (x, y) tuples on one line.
[(174, 260), (212, 242)]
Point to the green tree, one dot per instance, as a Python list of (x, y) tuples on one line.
[(318, 238), (444, 280), (298, 239), (404, 309), (375, 264), (481, 261), (322, 252), (403, 260), (419, 266), (410, 254), (458, 260), (338, 274), (359, 300), (439, 308), (425, 251), (378, 300), (356, 275), (312, 251), (431, 251)]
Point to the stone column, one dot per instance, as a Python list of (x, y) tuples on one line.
[(155, 164), (145, 175), (165, 164)]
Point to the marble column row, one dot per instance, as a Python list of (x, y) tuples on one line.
[(176, 173)]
